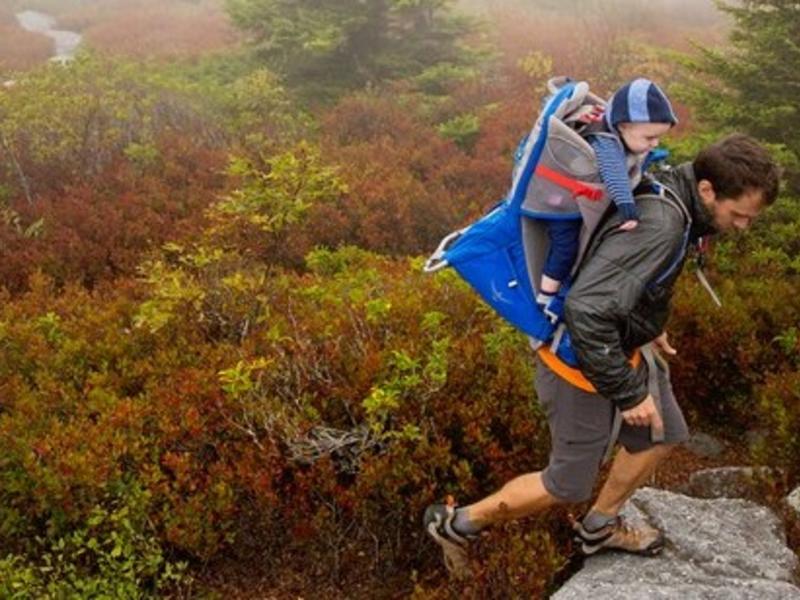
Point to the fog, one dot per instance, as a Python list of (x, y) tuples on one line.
[(180, 28), (693, 12)]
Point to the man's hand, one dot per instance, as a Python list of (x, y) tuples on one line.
[(662, 344), (645, 414)]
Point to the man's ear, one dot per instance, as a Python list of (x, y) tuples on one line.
[(706, 191)]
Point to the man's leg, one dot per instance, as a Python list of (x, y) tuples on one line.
[(580, 425), (601, 528), (628, 472), (635, 462), (526, 494), (520, 497)]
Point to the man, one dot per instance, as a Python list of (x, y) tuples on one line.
[(618, 304)]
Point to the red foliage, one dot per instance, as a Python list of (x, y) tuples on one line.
[(20, 49), (407, 185), (138, 31), (100, 229)]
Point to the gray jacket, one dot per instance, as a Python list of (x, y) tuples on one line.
[(620, 299)]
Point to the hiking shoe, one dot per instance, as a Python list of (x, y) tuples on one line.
[(438, 523), (619, 535)]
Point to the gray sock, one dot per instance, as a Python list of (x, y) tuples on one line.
[(595, 520), (462, 524)]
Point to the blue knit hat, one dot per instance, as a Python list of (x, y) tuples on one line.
[(639, 101)]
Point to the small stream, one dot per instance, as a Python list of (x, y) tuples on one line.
[(66, 42)]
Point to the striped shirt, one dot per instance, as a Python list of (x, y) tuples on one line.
[(613, 166)]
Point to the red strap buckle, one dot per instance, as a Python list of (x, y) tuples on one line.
[(576, 187)]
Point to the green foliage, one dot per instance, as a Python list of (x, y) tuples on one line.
[(144, 156), (439, 79), (113, 554), (173, 292), (347, 44), (280, 194), (463, 130), (747, 86), (325, 262), (778, 402), (261, 111), (537, 65), (63, 124), (217, 280), (72, 119)]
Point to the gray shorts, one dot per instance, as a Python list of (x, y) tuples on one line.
[(580, 427)]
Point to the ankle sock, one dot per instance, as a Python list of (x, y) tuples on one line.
[(463, 525), (594, 521), (543, 299)]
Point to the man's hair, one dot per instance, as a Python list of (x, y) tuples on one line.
[(737, 164)]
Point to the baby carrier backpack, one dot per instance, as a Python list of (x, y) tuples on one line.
[(555, 177)]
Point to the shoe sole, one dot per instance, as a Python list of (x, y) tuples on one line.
[(454, 555), (652, 550)]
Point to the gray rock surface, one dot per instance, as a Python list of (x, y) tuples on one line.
[(793, 500), (727, 482), (716, 550), (704, 445)]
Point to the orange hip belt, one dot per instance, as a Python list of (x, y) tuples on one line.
[(571, 374)]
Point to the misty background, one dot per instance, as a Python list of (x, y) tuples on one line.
[(223, 372)]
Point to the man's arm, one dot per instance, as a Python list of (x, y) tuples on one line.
[(608, 287)]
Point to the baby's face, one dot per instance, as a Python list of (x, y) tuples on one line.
[(642, 137)]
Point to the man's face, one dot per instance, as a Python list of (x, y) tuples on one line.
[(732, 214)]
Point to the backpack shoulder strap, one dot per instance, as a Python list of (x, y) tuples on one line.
[(669, 195)]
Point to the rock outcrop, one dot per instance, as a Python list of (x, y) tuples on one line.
[(728, 482), (793, 500), (724, 549)]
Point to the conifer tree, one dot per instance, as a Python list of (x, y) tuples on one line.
[(753, 85), (337, 45)]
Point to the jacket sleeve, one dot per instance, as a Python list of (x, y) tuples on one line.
[(608, 287)]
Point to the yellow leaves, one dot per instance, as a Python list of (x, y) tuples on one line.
[(49, 326), (280, 193), (433, 320), (243, 378), (536, 65), (245, 282), (75, 118), (202, 256), (171, 291), (380, 402), (377, 310)]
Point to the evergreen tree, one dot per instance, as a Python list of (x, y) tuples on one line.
[(754, 84), (337, 45)]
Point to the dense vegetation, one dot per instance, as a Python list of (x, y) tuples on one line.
[(216, 343)]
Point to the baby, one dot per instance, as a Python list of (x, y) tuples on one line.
[(632, 124)]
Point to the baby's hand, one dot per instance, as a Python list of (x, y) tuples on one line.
[(628, 225), (594, 116)]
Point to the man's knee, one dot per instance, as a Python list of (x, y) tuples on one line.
[(659, 451), (568, 490)]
